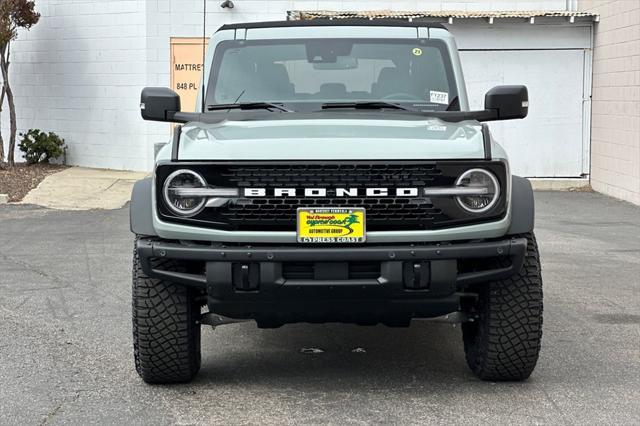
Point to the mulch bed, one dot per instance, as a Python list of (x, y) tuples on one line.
[(18, 180)]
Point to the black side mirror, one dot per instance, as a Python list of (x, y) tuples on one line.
[(508, 102), (159, 104)]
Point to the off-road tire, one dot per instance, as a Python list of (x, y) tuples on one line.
[(504, 342), (166, 332)]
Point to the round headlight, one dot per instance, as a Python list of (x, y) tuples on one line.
[(184, 204), (488, 190)]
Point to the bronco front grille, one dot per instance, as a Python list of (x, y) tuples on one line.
[(383, 213)]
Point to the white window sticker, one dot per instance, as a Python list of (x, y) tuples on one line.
[(439, 97)]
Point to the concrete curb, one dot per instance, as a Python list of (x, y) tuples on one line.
[(570, 184), (79, 188)]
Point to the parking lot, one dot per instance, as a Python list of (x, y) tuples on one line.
[(66, 356)]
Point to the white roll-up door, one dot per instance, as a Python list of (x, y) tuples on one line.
[(549, 142)]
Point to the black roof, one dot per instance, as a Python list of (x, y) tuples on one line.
[(331, 23)]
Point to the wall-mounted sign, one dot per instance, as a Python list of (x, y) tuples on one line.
[(186, 69)]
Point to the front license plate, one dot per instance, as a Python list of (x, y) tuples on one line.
[(331, 225)]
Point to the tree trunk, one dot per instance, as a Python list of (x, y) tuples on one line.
[(13, 126), (2, 51), (1, 138)]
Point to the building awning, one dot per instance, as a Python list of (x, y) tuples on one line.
[(446, 16)]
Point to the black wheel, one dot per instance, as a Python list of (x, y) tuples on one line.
[(504, 342), (166, 332)]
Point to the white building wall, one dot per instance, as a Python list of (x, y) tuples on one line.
[(615, 143), (77, 73), (80, 70)]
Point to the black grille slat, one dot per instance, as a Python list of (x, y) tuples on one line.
[(334, 175), (297, 270), (380, 212), (306, 270), (364, 270)]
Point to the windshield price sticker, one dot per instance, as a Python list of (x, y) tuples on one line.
[(331, 225), (436, 128), (439, 97)]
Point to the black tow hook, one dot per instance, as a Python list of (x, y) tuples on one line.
[(452, 318), (215, 320)]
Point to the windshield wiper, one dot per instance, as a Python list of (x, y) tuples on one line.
[(367, 105), (247, 106)]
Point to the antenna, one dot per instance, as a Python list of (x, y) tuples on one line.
[(204, 49)]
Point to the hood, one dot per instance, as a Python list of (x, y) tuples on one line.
[(332, 139)]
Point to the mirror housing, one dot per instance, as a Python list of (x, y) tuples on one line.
[(159, 104), (500, 103), (508, 102)]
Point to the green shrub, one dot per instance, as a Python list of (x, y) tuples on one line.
[(40, 147)]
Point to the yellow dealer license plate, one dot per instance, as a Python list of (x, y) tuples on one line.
[(331, 225)]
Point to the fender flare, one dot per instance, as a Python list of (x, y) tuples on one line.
[(522, 206), (141, 208)]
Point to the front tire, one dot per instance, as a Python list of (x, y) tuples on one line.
[(166, 332), (504, 343)]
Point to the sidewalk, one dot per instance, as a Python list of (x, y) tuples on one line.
[(79, 188)]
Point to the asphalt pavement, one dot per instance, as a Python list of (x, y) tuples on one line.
[(66, 352)]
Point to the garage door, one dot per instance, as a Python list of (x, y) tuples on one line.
[(549, 142)]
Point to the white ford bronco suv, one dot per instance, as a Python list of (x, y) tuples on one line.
[(334, 173)]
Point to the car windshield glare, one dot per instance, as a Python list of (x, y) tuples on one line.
[(416, 73)]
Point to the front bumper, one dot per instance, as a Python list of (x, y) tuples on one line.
[(412, 280)]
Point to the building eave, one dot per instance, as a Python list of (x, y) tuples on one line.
[(448, 16)]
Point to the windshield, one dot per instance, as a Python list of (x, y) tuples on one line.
[(415, 72)]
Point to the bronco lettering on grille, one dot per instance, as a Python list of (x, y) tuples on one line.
[(338, 192)]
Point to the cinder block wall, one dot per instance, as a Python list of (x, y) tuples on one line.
[(80, 70), (615, 125), (78, 73)]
